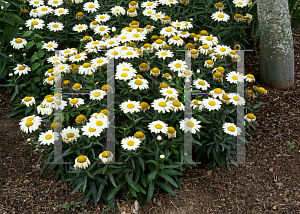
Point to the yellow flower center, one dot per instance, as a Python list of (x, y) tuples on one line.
[(44, 9), (70, 135), (91, 6), (233, 52), (164, 85), (169, 92), (106, 154), (250, 76), (205, 46), (238, 15), (209, 38), (149, 4), (171, 130), (27, 99), (86, 65), (61, 11), (212, 103), (124, 75), (97, 94), (138, 82), (54, 125), (91, 129), (158, 126), (99, 123), (167, 74), (155, 70), (236, 98), (234, 77), (18, 40), (66, 82), (50, 99), (164, 53), (81, 159), (250, 116), (48, 136), (36, 2), (130, 105), (261, 89), (190, 124), (194, 51), (240, 3), (29, 123), (130, 143), (76, 85), (178, 65), (219, 4), (77, 57), (80, 118), (139, 134), (80, 27), (231, 128), (218, 74), (129, 53), (55, 2), (210, 62), (80, 14), (225, 97), (196, 102), (144, 65), (74, 101), (176, 103), (201, 82), (102, 28), (49, 45), (50, 78), (162, 104), (176, 38), (218, 91), (250, 91), (144, 105), (223, 49), (221, 16), (131, 10)]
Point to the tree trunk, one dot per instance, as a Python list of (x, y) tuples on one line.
[(276, 67)]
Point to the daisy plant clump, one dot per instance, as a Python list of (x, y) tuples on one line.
[(143, 46)]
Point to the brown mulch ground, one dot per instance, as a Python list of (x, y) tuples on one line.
[(270, 185)]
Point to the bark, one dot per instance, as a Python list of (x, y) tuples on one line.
[(276, 67)]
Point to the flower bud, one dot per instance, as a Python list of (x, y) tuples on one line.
[(20, 28), (10, 55), (159, 138), (24, 54), (162, 156), (11, 74), (113, 29), (179, 74), (29, 139), (198, 71), (191, 19)]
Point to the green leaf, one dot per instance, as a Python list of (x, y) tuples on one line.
[(35, 66), (194, 14), (14, 16), (29, 45), (94, 192), (34, 57), (39, 44), (7, 20), (167, 178), (100, 190), (140, 188), (15, 113), (77, 187), (27, 33), (132, 191), (41, 53), (170, 172), (165, 187), (90, 175), (115, 190), (203, 120), (84, 183), (141, 160), (152, 175), (150, 191), (112, 180)]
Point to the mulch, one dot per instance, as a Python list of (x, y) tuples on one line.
[(270, 185)]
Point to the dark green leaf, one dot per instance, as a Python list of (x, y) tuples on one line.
[(150, 191), (77, 187), (165, 187), (35, 66), (112, 180), (29, 45), (27, 33), (100, 190), (115, 190), (167, 178)]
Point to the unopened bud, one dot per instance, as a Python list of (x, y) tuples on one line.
[(24, 54), (10, 55), (20, 28), (198, 71), (11, 74), (179, 74), (159, 138), (29, 139), (113, 29), (162, 156), (191, 19)]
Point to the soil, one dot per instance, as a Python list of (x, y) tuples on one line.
[(270, 185)]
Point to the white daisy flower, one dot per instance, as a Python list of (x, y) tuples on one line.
[(212, 104), (176, 40), (149, 12), (169, 92), (236, 99), (183, 34), (97, 94), (36, 3), (63, 68), (113, 53), (91, 7), (232, 129), (48, 101), (44, 10), (49, 80), (149, 4), (161, 105), (209, 40), (55, 26), (80, 27), (76, 102), (217, 93), (35, 13), (249, 78), (82, 162), (48, 137), (54, 59), (158, 44), (158, 126), (205, 49), (191, 125), (240, 3), (28, 101), (97, 116), (126, 74), (59, 104), (117, 10), (201, 84), (157, 16), (177, 105), (70, 134), (69, 51), (168, 2), (61, 11), (86, 69), (89, 131), (164, 54), (99, 62), (129, 54), (99, 123), (168, 32), (222, 50), (176, 24), (197, 105), (21, 69), (31, 123), (220, 16), (122, 65), (106, 156), (130, 106), (113, 42), (130, 143), (96, 43), (234, 77), (37, 23), (186, 25), (137, 36), (101, 18), (43, 109), (50, 46), (18, 43), (55, 3), (178, 65), (250, 118), (139, 84), (102, 30), (78, 57)]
